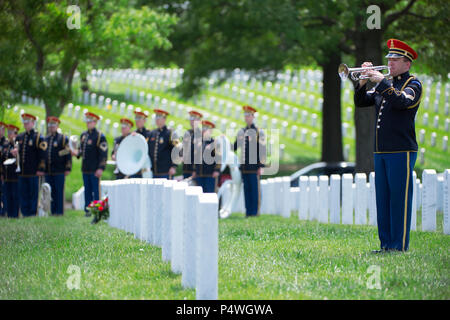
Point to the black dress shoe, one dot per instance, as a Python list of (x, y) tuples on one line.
[(378, 251)]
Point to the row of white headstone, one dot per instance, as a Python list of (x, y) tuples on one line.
[(272, 106), (286, 79), (181, 110), (180, 219), (232, 110), (351, 200), (176, 109), (273, 123)]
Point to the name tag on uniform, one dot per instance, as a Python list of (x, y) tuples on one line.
[(30, 143), (161, 140), (89, 141), (55, 144)]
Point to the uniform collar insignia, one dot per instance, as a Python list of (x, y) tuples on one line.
[(403, 76)]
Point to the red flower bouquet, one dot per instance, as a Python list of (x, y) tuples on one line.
[(99, 209)]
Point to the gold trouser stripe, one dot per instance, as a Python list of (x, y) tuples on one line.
[(406, 201)]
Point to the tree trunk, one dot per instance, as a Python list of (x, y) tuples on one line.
[(84, 82), (368, 48), (331, 111)]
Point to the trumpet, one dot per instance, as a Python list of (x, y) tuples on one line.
[(356, 73)]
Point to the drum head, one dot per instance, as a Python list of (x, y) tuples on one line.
[(132, 154)]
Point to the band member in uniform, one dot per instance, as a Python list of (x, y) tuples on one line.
[(58, 164), (140, 118), (251, 142), (31, 149), (3, 141), (10, 176), (126, 124), (94, 153), (195, 119), (160, 144), (396, 103), (207, 172)]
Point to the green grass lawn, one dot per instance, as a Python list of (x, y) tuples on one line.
[(269, 257)]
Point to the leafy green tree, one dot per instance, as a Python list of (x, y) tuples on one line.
[(43, 46)]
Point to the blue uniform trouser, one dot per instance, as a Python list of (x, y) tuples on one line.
[(251, 193), (208, 184), (11, 197), (394, 190), (29, 192), (91, 189), (56, 182)]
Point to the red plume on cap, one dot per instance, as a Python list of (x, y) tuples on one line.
[(195, 114), (209, 124), (140, 114), (161, 112), (127, 121), (12, 127), (91, 115), (249, 109), (53, 119), (399, 49), (28, 116)]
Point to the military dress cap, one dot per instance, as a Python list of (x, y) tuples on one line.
[(398, 49), (28, 117), (127, 122), (248, 109), (208, 124), (12, 127), (53, 119), (140, 115), (91, 116), (161, 113), (195, 115)]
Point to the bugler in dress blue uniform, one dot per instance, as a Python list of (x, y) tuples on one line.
[(252, 143), (32, 148), (160, 144), (94, 153), (58, 164), (207, 172), (396, 103), (10, 176)]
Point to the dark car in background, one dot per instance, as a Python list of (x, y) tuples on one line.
[(322, 169)]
